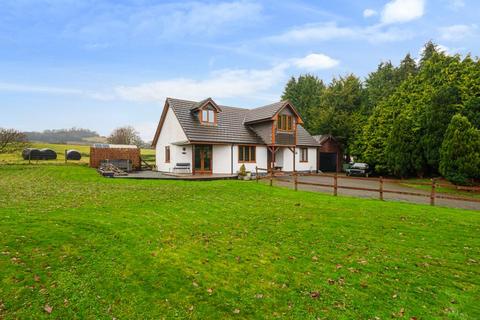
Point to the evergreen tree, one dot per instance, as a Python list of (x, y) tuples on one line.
[(305, 94), (445, 102), (460, 152)]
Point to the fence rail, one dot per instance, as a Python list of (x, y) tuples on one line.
[(433, 195)]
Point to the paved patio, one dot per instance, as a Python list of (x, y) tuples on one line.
[(155, 175)]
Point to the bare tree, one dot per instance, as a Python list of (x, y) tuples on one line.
[(125, 135), (12, 140)]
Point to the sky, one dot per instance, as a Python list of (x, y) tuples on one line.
[(103, 64)]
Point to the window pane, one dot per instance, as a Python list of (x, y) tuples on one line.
[(204, 115), (211, 116), (252, 154), (247, 154), (240, 153)]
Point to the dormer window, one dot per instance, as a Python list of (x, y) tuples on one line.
[(206, 111), (208, 117)]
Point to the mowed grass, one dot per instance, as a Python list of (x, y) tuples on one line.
[(16, 158), (95, 248)]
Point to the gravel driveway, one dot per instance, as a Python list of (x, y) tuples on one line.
[(374, 184)]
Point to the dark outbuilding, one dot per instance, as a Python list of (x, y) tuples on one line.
[(73, 155), (330, 155)]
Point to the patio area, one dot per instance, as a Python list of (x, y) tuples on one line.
[(156, 175)]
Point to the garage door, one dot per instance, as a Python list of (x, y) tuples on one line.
[(328, 162)]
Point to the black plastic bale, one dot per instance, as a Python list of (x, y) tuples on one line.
[(32, 154), (48, 154), (73, 155)]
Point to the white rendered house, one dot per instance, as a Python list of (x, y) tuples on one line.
[(205, 138)]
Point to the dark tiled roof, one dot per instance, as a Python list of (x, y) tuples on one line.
[(231, 127), (262, 113), (304, 138)]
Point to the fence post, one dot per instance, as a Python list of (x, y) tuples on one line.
[(432, 193), (271, 178), (335, 184), (256, 173), (29, 156), (295, 181), (381, 188), (65, 156)]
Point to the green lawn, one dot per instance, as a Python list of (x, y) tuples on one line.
[(16, 158), (97, 248)]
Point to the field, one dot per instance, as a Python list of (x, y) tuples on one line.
[(147, 154), (74, 245)]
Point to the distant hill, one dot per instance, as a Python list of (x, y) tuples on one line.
[(73, 135)]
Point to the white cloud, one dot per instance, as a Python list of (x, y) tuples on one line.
[(314, 32), (220, 84), (457, 32), (330, 31), (367, 13), (152, 22), (315, 61), (397, 11)]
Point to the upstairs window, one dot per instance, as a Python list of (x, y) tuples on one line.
[(285, 122), (208, 117), (246, 154)]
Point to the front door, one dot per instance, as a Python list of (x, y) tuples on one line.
[(203, 158)]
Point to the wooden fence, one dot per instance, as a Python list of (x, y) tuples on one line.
[(433, 195)]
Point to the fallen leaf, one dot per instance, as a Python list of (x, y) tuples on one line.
[(48, 309), (36, 278), (338, 266), (259, 296), (191, 308), (195, 284), (236, 311), (65, 302), (314, 294), (331, 281), (353, 270), (210, 290), (314, 258), (395, 296)]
